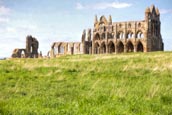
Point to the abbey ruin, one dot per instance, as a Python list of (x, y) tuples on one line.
[(31, 50), (106, 37), (116, 37)]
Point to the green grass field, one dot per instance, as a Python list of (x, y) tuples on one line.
[(122, 84)]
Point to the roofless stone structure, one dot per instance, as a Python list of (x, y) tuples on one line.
[(116, 37)]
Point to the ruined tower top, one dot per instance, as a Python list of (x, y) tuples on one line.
[(110, 20), (152, 13), (95, 20)]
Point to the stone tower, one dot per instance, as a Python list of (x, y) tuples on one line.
[(32, 47)]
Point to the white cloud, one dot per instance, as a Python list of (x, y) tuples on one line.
[(103, 5), (165, 11), (4, 20), (79, 6), (4, 10), (111, 5), (10, 30)]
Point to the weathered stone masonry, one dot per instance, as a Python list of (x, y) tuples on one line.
[(31, 50), (117, 37), (131, 36)]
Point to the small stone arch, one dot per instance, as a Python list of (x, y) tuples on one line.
[(111, 47), (23, 53), (120, 25), (130, 46), (120, 47), (139, 25), (129, 25)]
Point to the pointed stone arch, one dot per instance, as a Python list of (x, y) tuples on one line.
[(139, 34), (97, 36), (120, 47), (130, 46), (111, 47), (103, 36), (140, 47), (130, 34), (23, 53), (103, 20)]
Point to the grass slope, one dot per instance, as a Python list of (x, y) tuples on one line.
[(127, 84)]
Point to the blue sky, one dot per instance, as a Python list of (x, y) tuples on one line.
[(64, 20)]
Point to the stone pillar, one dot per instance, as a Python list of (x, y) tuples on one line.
[(135, 48), (99, 50), (106, 43), (125, 48), (52, 53), (93, 51), (107, 48), (90, 50), (116, 49)]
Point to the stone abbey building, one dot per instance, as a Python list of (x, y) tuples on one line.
[(116, 37)]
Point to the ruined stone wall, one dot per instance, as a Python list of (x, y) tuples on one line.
[(19, 53), (65, 48), (31, 50), (32, 45), (117, 37)]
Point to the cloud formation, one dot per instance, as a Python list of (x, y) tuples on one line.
[(165, 11), (4, 10), (4, 19), (103, 5), (79, 6)]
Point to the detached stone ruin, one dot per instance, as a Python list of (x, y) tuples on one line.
[(31, 50)]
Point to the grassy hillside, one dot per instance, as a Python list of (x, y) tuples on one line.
[(127, 84)]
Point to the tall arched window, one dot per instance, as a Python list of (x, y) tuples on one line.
[(97, 37), (120, 35), (103, 36), (130, 35), (139, 35)]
